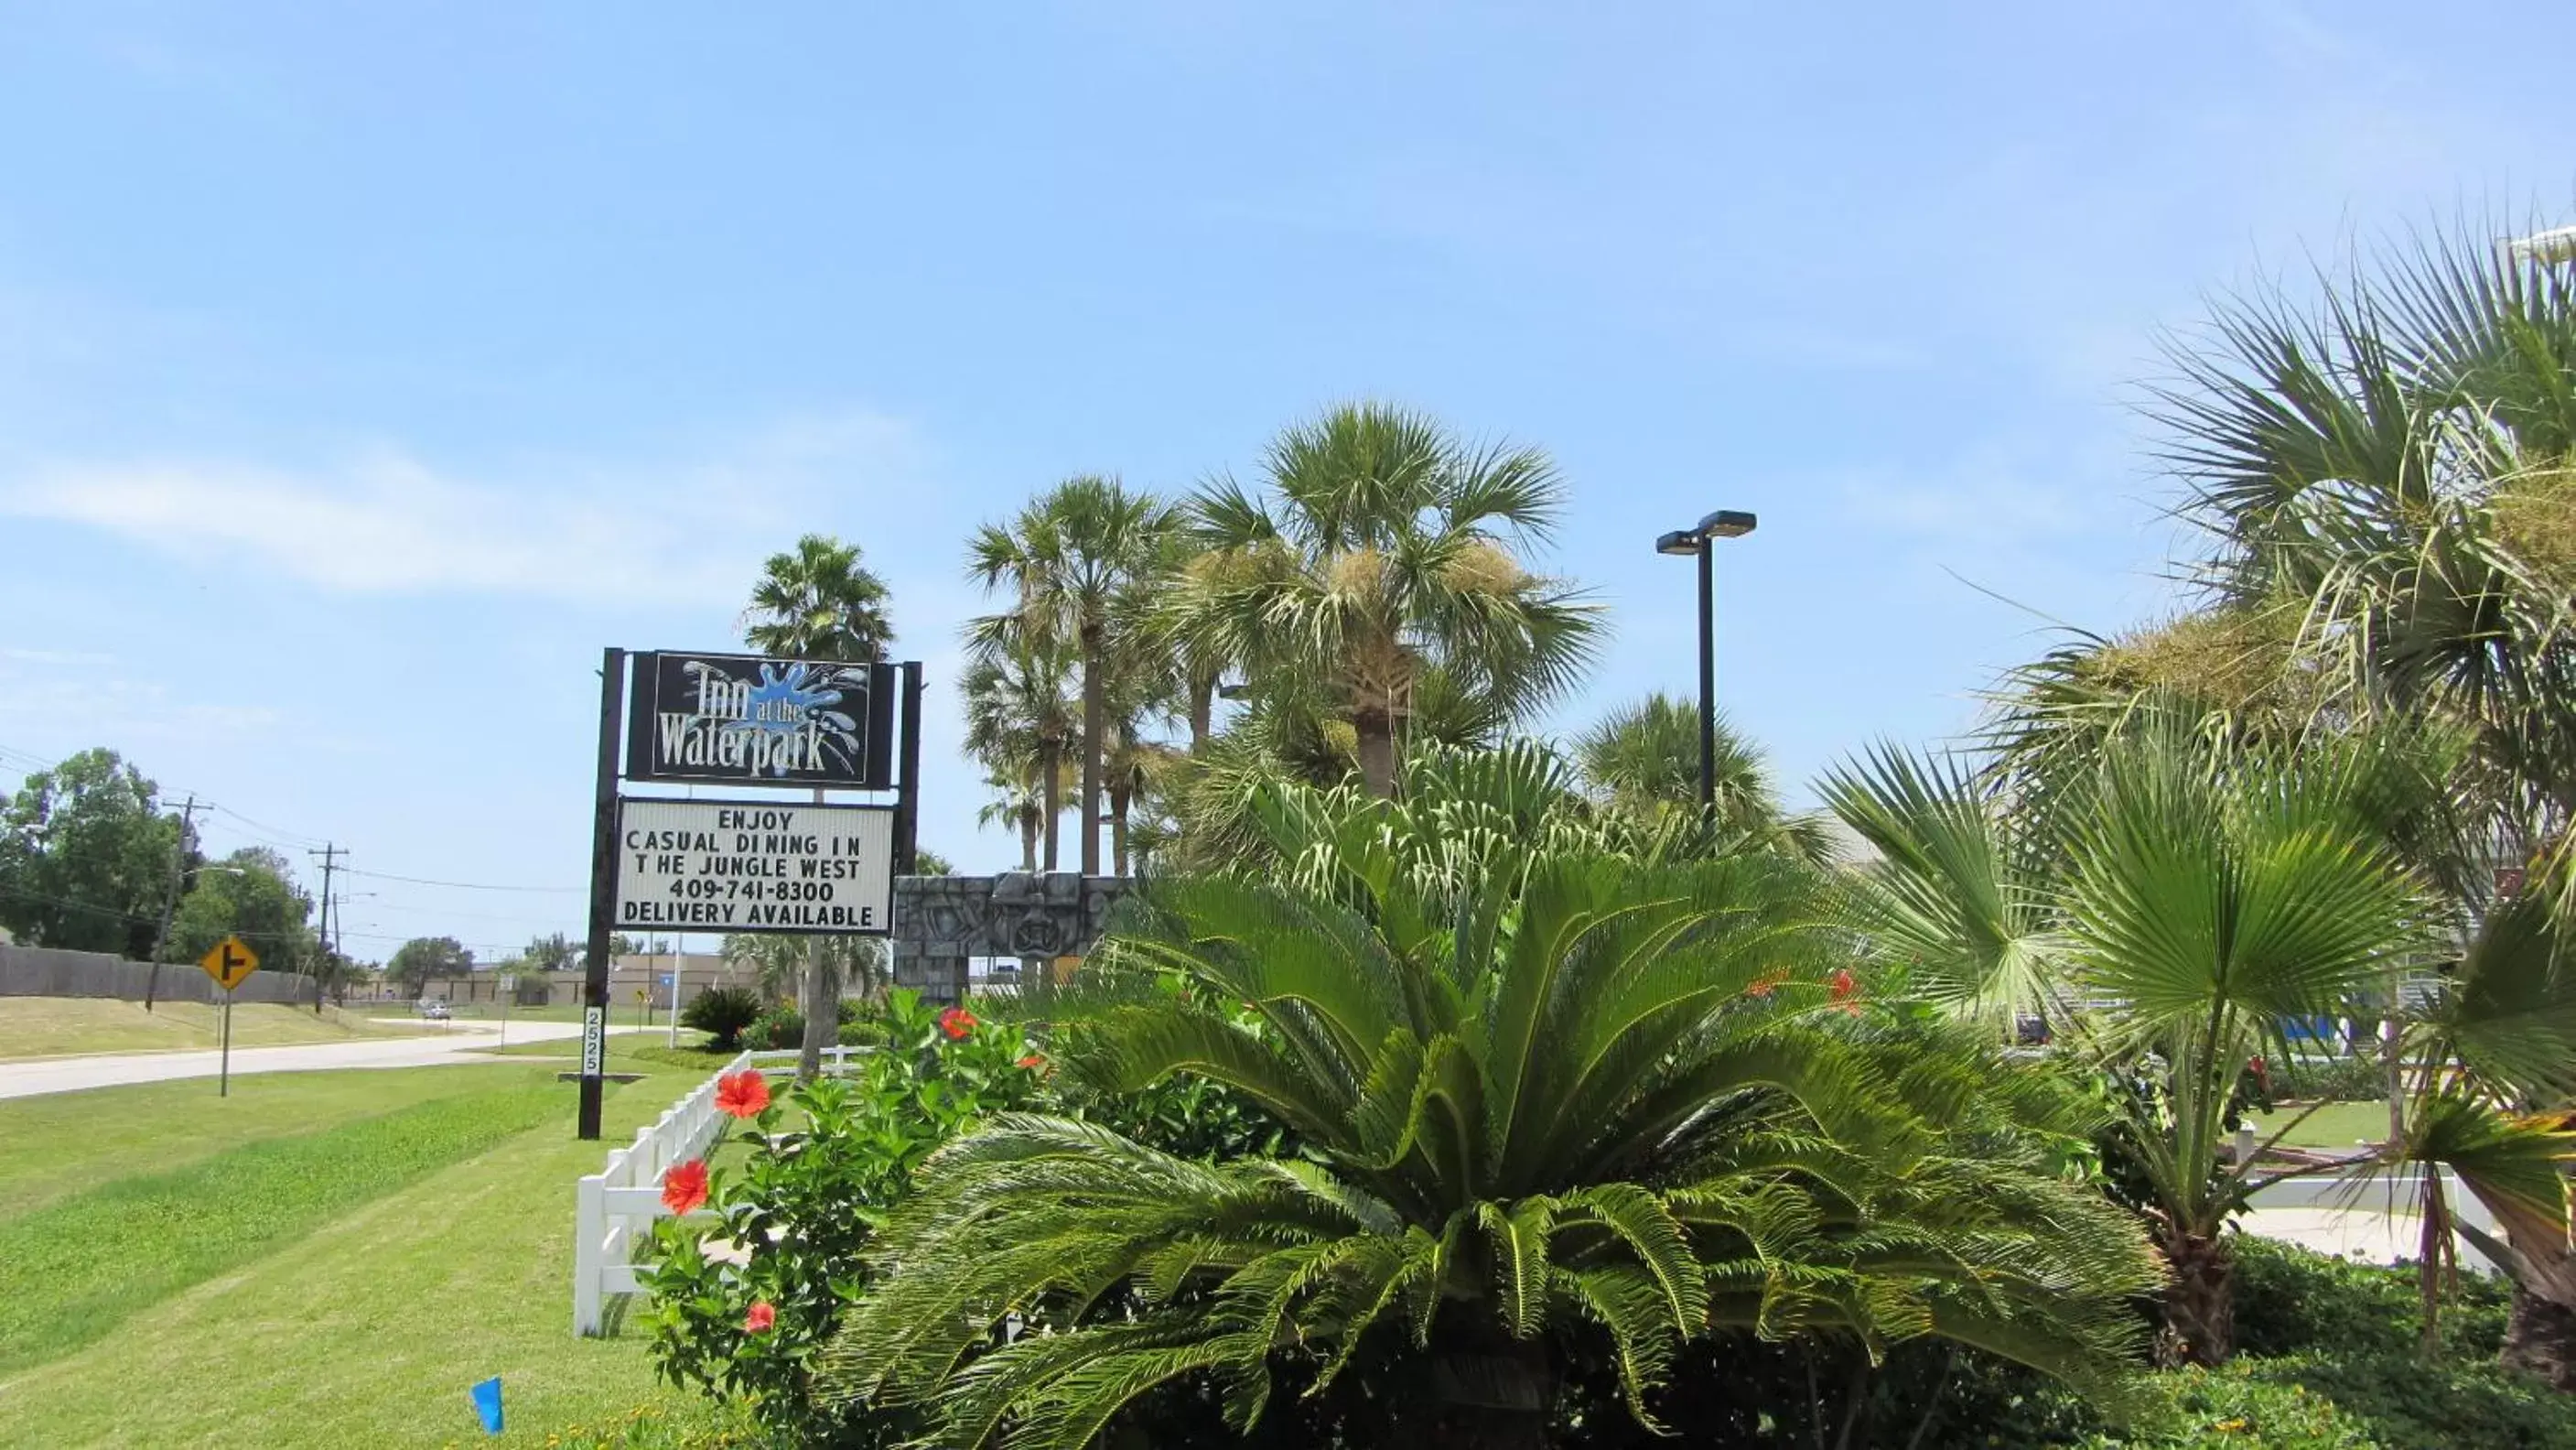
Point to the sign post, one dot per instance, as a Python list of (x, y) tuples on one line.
[(743, 865), (603, 892), (230, 962)]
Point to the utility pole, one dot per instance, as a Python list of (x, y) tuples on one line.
[(330, 854), (169, 904)]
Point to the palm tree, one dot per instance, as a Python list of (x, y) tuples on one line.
[(1020, 717), (2395, 470), (1069, 557), (1644, 758), (1018, 803), (1376, 551), (1616, 1103), (816, 602), (2200, 896)]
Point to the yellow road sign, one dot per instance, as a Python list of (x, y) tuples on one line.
[(230, 962)]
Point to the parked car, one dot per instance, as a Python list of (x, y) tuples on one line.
[(433, 1009)]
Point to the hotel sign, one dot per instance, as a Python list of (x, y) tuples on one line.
[(750, 720)]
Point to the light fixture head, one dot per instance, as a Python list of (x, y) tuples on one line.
[(1682, 542), (1727, 524)]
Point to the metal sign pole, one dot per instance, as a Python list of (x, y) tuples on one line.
[(224, 1071), (603, 893), (907, 822)]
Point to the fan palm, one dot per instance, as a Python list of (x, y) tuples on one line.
[(1070, 557), (1644, 758), (1017, 803), (2398, 465), (1376, 551), (2198, 897), (1020, 717), (817, 602), (1603, 1100)]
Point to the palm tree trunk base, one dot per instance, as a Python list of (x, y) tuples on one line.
[(2540, 1340), (2200, 1305)]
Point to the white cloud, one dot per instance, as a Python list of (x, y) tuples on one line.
[(388, 522)]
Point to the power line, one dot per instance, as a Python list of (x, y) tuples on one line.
[(465, 885)]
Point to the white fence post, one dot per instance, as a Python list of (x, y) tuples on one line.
[(616, 1206), (589, 1232)]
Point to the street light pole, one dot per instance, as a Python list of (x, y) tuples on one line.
[(1707, 679), (1696, 541)]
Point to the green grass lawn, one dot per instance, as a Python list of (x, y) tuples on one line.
[(59, 1026), (331, 1283), (2335, 1125), (627, 1052), (67, 1143)]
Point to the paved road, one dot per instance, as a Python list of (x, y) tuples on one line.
[(456, 1043)]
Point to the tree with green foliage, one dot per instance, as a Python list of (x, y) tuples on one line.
[(415, 962), (2383, 484), (1596, 1104), (1378, 550), (86, 857), (1644, 758), (2200, 895), (1021, 715), (250, 894), (817, 602), (1074, 562)]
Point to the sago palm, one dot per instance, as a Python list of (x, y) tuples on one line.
[(1610, 1104), (1377, 548)]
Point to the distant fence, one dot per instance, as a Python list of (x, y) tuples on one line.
[(50, 972), (615, 1207)]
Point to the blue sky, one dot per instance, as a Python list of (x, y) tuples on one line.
[(364, 370)]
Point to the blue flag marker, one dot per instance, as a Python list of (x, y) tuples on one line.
[(487, 1403)]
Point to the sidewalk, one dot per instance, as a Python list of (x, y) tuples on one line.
[(458, 1043)]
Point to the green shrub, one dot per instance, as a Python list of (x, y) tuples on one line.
[(798, 1211), (782, 1026), (2291, 1301), (2339, 1080), (722, 1013)]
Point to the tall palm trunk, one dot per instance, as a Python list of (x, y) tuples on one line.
[(822, 1022), (2540, 1339), (1122, 793), (1051, 793), (1376, 727), (1202, 711), (2200, 1303), (1028, 838), (1095, 726)]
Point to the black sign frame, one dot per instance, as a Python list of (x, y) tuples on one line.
[(663, 686)]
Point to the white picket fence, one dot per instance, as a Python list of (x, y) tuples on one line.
[(616, 1206)]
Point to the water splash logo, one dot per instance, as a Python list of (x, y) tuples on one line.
[(787, 721)]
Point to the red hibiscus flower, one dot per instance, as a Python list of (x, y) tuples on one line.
[(956, 1022), (684, 1186), (1034, 1062), (1843, 987), (743, 1094), (762, 1316)]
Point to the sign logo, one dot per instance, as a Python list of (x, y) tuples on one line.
[(748, 720), (230, 962)]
